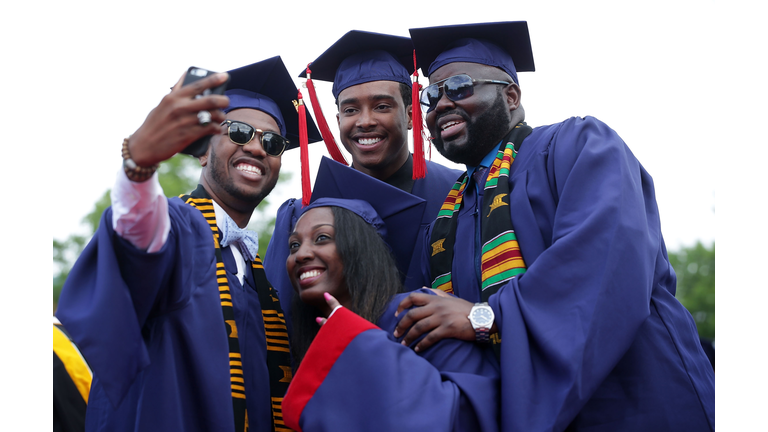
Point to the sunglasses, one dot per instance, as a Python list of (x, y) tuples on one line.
[(456, 88), (242, 133)]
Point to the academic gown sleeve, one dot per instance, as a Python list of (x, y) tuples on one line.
[(128, 309), (355, 376), (277, 253), (592, 337)]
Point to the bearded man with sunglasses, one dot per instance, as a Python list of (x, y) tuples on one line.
[(551, 245), (169, 302)]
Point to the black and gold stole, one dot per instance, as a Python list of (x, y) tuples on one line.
[(278, 352), (501, 259)]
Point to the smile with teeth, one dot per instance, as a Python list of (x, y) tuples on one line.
[(309, 274), (450, 124), (368, 141), (248, 168)]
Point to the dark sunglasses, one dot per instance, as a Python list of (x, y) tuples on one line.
[(456, 88), (242, 133)]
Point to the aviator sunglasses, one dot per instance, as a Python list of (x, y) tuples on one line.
[(456, 88), (242, 133)]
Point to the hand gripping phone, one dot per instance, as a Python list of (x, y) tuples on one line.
[(199, 147)]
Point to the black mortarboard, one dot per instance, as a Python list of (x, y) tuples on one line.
[(267, 86), (360, 57), (400, 211), (505, 45)]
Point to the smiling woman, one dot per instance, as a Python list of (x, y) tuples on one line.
[(350, 373), (316, 265)]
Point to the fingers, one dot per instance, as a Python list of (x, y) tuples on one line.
[(413, 299), (331, 300), (179, 82), (199, 86), (208, 103), (429, 326), (415, 314), (440, 292), (321, 321), (439, 317)]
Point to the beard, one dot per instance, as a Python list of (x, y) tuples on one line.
[(483, 133), (218, 175)]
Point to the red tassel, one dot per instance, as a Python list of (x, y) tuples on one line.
[(419, 164), (330, 142), (306, 192)]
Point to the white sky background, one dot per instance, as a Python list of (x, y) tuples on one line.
[(682, 82), (640, 69)]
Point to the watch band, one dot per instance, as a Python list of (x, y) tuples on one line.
[(483, 335)]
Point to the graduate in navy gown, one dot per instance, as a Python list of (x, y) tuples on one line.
[(355, 375), (552, 242), (372, 88), (169, 301)]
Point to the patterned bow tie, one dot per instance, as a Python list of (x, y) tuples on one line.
[(480, 174), (246, 240)]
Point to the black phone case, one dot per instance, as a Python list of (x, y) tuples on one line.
[(199, 147)]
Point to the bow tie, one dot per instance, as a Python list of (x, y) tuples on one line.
[(246, 240)]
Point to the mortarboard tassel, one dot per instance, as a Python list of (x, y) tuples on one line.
[(419, 164), (304, 149), (330, 142)]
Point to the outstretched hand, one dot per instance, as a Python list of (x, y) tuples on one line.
[(173, 124), (333, 304), (439, 316)]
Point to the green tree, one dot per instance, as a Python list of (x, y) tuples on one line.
[(178, 175), (695, 269)]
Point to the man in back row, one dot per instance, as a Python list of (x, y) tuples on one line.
[(372, 88), (169, 302), (552, 242)]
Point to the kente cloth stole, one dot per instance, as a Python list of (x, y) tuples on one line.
[(501, 259), (278, 352)]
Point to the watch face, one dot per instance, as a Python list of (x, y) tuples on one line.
[(482, 317)]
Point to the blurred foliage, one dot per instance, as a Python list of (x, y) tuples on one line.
[(695, 269), (178, 175)]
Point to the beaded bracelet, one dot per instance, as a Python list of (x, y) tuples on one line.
[(134, 172)]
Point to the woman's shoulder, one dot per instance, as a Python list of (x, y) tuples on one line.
[(388, 320)]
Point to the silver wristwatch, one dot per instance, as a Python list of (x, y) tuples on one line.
[(481, 317)]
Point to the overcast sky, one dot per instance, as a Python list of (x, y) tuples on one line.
[(640, 69), (682, 82)]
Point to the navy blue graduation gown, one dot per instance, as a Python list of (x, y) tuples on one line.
[(152, 329), (356, 376), (433, 189), (592, 335)]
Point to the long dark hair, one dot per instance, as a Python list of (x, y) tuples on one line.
[(370, 272)]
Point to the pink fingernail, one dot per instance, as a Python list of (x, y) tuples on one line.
[(327, 296), (319, 320)]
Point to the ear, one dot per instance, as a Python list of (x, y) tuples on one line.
[(338, 121), (512, 93), (204, 158), (409, 113)]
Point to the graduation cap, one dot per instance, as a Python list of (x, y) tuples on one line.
[(267, 86), (360, 57), (400, 211), (505, 45)]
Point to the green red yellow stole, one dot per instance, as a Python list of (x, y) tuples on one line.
[(278, 352), (501, 259)]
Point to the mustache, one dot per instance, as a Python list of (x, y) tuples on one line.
[(456, 111)]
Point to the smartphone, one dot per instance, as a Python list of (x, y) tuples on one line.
[(199, 147)]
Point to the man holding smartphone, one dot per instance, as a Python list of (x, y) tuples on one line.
[(169, 302)]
